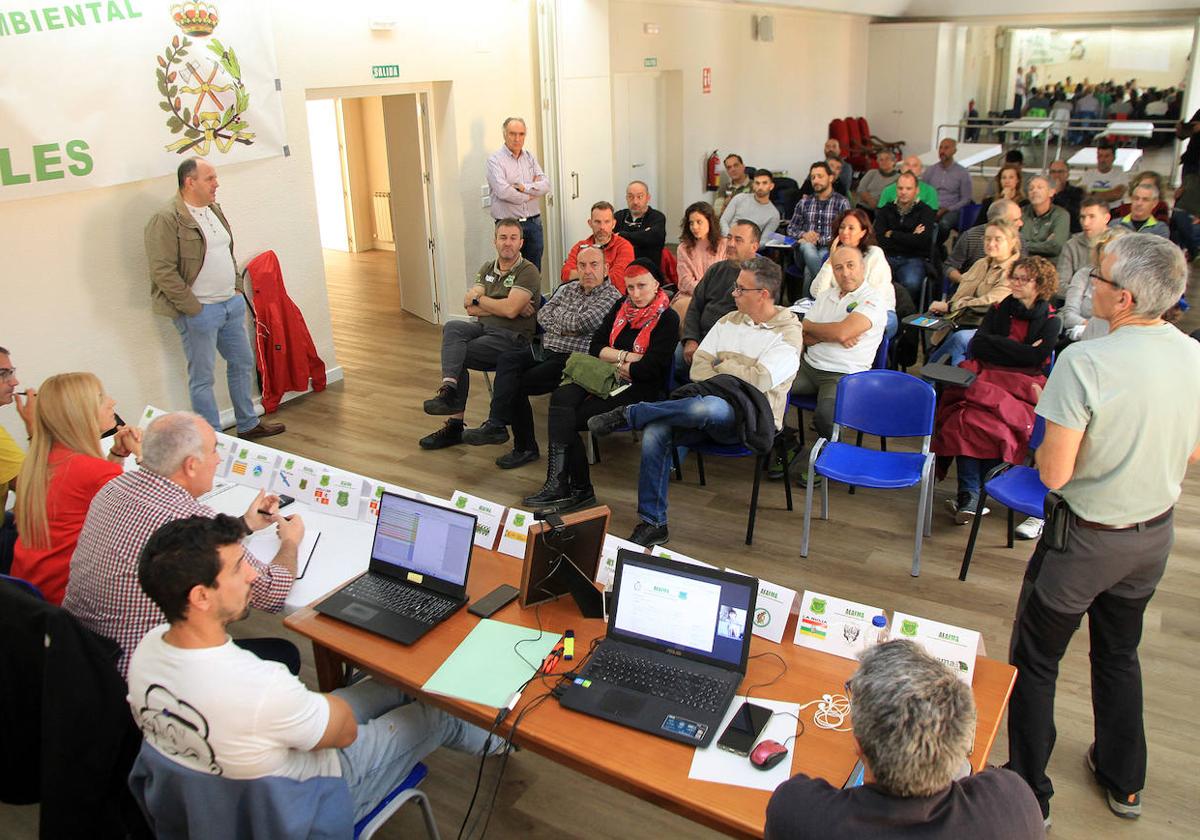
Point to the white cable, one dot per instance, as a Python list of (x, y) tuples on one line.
[(832, 711)]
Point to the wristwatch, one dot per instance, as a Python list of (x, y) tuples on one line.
[(474, 301)]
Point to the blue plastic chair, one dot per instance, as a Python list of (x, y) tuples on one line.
[(808, 402), (403, 793), (1019, 488), (886, 403)]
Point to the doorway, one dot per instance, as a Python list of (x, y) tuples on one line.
[(638, 131), (379, 149)]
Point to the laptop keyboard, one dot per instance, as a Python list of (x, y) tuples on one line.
[(678, 685), (408, 601)]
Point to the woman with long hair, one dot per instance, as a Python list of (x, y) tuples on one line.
[(63, 470), (1009, 184), (854, 228), (700, 245)]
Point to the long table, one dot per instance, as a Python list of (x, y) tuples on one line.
[(648, 767)]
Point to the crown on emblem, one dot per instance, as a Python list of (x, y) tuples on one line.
[(196, 19)]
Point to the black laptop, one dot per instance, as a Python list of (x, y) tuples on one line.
[(418, 573), (675, 653)]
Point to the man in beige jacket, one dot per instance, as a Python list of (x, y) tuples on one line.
[(194, 281)]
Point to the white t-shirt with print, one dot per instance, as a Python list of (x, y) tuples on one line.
[(830, 307), (224, 711), (1093, 180)]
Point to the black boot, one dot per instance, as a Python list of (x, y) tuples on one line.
[(556, 490), (581, 497)]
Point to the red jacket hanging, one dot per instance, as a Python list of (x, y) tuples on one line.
[(287, 358)]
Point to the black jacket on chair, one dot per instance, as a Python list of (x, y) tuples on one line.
[(68, 739), (752, 411)]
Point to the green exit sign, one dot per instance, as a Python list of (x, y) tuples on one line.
[(649, 62), (385, 71)]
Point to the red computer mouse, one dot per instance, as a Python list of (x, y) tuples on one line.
[(767, 754)]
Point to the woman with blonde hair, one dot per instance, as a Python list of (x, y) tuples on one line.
[(63, 470)]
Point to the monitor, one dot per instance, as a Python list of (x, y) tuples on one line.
[(418, 540)]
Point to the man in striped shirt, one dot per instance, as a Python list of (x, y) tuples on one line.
[(179, 460)]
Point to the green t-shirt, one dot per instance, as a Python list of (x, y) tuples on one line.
[(524, 275), (1135, 393), (925, 192)]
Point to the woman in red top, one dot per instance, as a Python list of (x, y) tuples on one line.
[(62, 472)]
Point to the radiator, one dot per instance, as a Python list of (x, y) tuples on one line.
[(382, 205)]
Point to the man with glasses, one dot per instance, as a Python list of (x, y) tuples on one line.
[(1066, 195), (842, 332), (1121, 429), (740, 378)]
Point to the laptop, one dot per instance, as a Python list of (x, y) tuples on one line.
[(675, 652), (417, 577)]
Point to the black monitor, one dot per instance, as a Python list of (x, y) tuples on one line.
[(563, 555)]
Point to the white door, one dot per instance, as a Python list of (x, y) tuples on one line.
[(638, 111), (585, 153), (408, 172)]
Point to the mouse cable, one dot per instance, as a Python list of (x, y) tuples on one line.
[(773, 680), (798, 720)]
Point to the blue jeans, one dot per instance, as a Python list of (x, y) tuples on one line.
[(971, 472), (892, 325), (954, 348), (909, 272), (219, 327), (683, 370), (812, 257), (701, 418), (531, 246), (394, 734)]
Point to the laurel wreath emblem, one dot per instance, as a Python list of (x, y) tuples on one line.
[(202, 128)]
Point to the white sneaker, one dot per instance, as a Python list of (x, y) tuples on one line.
[(1030, 529)]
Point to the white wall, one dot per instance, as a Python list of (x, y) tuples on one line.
[(771, 102), (911, 88), (75, 287)]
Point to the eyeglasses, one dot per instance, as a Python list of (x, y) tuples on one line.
[(1020, 279), (1096, 275), (741, 290), (7, 373)]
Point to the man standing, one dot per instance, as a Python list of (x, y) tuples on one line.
[(568, 320), (812, 222), (758, 348), (1140, 218), (517, 183), (755, 206), (1019, 92), (179, 460), (841, 333), (739, 182), (713, 298), (873, 183), (1077, 253), (1121, 429), (953, 185), (205, 703), (502, 303), (644, 227), (926, 192), (618, 253), (968, 248), (1104, 181), (195, 282), (1066, 195), (1046, 227), (905, 229)]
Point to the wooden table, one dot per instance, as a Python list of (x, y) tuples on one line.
[(648, 767)]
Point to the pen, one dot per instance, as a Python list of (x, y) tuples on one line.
[(552, 659)]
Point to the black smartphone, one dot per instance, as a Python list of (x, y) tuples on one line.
[(285, 500), (747, 724), (113, 430), (498, 598)]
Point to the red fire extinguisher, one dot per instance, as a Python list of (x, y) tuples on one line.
[(711, 180)]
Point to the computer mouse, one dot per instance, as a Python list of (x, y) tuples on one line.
[(767, 754)]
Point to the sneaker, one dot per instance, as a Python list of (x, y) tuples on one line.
[(517, 458), (775, 470), (445, 401), (490, 432), (1127, 807), (451, 434), (608, 422), (1047, 822), (802, 480), (963, 508), (647, 535), (1030, 529)]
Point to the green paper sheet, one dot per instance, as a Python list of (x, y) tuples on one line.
[(485, 669)]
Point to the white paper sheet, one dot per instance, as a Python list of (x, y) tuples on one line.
[(488, 516), (835, 625), (338, 493), (713, 764), (265, 544)]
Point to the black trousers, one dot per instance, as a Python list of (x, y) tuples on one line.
[(1110, 576), (519, 376), (570, 409)]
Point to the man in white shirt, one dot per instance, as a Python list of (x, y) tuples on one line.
[(842, 332), (194, 281), (1104, 181), (755, 206), (212, 707)]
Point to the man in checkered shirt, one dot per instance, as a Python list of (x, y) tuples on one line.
[(179, 460)]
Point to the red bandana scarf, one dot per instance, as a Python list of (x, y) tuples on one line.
[(642, 319)]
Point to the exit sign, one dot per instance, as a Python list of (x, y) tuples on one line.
[(649, 62), (385, 71)]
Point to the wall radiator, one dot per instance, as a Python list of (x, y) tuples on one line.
[(382, 206)]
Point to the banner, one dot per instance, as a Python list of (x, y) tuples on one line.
[(100, 93)]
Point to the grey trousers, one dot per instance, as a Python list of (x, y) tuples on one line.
[(470, 345), (823, 383)]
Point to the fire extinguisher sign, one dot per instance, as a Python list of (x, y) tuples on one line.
[(706, 80)]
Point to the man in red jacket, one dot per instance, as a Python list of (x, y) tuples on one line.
[(618, 252)]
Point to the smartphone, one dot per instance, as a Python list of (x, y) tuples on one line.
[(285, 500), (747, 724), (498, 598)]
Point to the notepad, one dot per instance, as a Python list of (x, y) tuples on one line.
[(493, 661)]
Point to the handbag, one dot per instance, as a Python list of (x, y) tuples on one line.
[(591, 374)]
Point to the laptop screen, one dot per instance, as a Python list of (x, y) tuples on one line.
[(700, 612), (423, 538)]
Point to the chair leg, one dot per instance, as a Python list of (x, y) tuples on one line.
[(593, 448), (857, 442), (427, 812), (883, 444), (700, 466), (825, 499), (676, 464), (1011, 521), (808, 500), (966, 563), (758, 471), (922, 503), (929, 506), (787, 475)]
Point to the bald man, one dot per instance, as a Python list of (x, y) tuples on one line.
[(952, 183), (925, 192)]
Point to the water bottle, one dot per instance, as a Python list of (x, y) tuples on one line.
[(879, 622)]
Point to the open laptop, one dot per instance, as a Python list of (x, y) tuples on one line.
[(418, 573), (675, 653)]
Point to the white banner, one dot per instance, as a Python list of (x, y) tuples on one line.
[(100, 93)]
